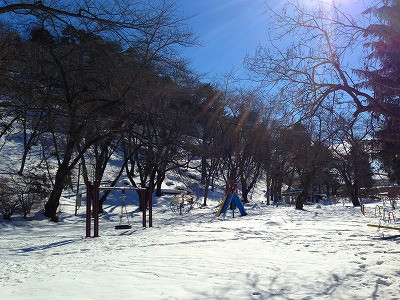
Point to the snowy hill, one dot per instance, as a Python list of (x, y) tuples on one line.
[(324, 252)]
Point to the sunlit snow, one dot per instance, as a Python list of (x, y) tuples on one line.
[(324, 252)]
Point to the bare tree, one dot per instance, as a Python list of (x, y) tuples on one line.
[(79, 82), (352, 156), (315, 69), (210, 135)]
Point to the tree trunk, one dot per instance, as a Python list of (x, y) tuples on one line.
[(151, 184), (352, 189), (206, 190), (203, 169), (354, 196), (23, 160), (245, 196), (245, 190), (28, 142), (278, 190), (271, 192), (85, 173), (355, 200), (160, 180), (268, 190), (301, 199), (50, 208)]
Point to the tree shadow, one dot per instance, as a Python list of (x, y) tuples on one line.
[(269, 291), (276, 287), (256, 290), (379, 282), (47, 246), (332, 286)]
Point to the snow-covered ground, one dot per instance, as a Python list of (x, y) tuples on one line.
[(324, 252)]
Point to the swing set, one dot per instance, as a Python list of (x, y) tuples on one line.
[(93, 204)]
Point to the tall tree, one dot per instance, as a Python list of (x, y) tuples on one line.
[(79, 49), (309, 159), (315, 71), (210, 133), (383, 77), (355, 168), (352, 151), (245, 136), (79, 68), (388, 144), (382, 73)]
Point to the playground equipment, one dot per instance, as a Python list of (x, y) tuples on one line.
[(386, 215), (386, 227), (92, 197), (122, 213), (182, 203), (231, 200)]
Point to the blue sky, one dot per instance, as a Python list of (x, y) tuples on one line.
[(227, 29), (230, 29)]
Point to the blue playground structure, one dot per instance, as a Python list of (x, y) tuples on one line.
[(231, 200)]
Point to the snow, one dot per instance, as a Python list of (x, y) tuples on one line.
[(323, 252)]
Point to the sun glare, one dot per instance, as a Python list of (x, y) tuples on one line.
[(343, 3), (346, 6)]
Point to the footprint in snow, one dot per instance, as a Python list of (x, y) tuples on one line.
[(383, 282)]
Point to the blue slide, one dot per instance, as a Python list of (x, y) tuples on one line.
[(233, 199), (239, 204)]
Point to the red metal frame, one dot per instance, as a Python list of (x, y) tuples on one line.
[(96, 204), (88, 207), (92, 198), (150, 200), (143, 205)]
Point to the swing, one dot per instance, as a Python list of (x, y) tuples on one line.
[(123, 206)]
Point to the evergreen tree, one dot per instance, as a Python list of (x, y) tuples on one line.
[(383, 70), (389, 149), (383, 76)]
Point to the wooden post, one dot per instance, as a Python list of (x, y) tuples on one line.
[(96, 208), (77, 190), (143, 200), (88, 207), (150, 200)]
